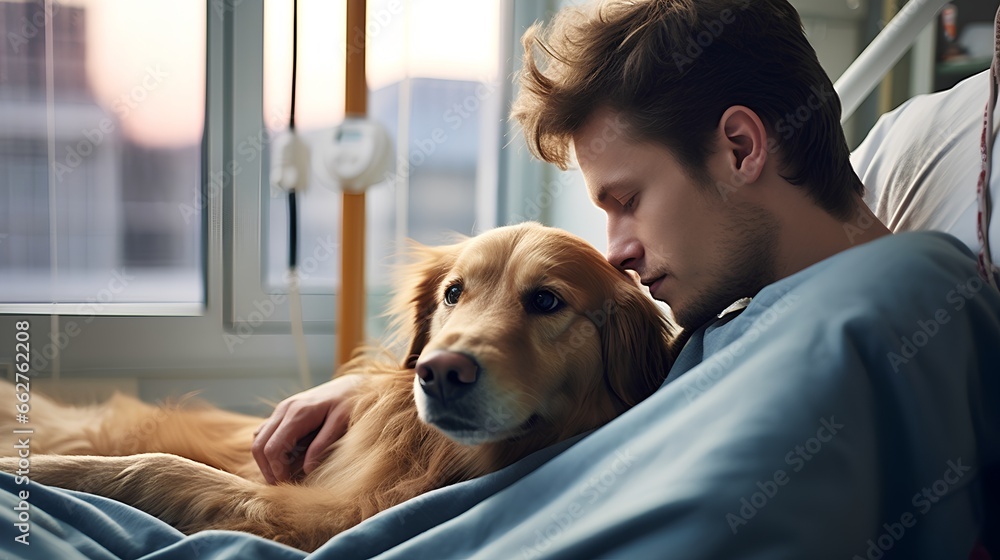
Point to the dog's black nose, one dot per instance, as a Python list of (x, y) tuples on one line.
[(446, 375)]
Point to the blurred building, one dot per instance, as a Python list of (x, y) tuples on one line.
[(114, 203)]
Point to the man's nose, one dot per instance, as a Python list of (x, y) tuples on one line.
[(624, 251)]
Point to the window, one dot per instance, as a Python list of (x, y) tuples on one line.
[(100, 153)]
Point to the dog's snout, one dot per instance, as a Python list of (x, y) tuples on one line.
[(446, 375)]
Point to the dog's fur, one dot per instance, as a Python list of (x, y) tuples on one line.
[(542, 377)]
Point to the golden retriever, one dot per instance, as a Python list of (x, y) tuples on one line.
[(518, 338)]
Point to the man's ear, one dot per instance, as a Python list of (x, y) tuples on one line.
[(636, 346), (416, 294), (743, 140)]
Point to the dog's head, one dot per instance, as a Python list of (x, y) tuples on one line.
[(525, 326)]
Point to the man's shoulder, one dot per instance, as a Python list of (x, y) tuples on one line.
[(921, 243), (909, 250), (899, 265), (886, 285), (876, 290)]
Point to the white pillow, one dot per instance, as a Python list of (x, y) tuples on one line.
[(920, 164)]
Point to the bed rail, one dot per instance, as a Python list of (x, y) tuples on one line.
[(884, 51)]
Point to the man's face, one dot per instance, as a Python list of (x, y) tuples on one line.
[(696, 249)]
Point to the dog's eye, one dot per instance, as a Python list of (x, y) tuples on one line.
[(544, 301), (452, 293)]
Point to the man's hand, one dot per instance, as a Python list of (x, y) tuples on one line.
[(323, 410)]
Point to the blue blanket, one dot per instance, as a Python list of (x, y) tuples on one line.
[(847, 412)]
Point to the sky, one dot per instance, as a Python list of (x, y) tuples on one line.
[(128, 41), (150, 54)]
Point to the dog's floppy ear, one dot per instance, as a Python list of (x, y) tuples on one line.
[(417, 283), (636, 340)]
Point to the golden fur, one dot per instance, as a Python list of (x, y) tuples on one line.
[(544, 377)]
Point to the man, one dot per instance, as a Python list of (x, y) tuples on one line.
[(709, 134)]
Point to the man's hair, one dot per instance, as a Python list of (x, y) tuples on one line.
[(671, 68)]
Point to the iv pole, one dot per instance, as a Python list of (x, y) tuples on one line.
[(351, 296)]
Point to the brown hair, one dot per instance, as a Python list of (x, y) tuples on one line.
[(671, 68)]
